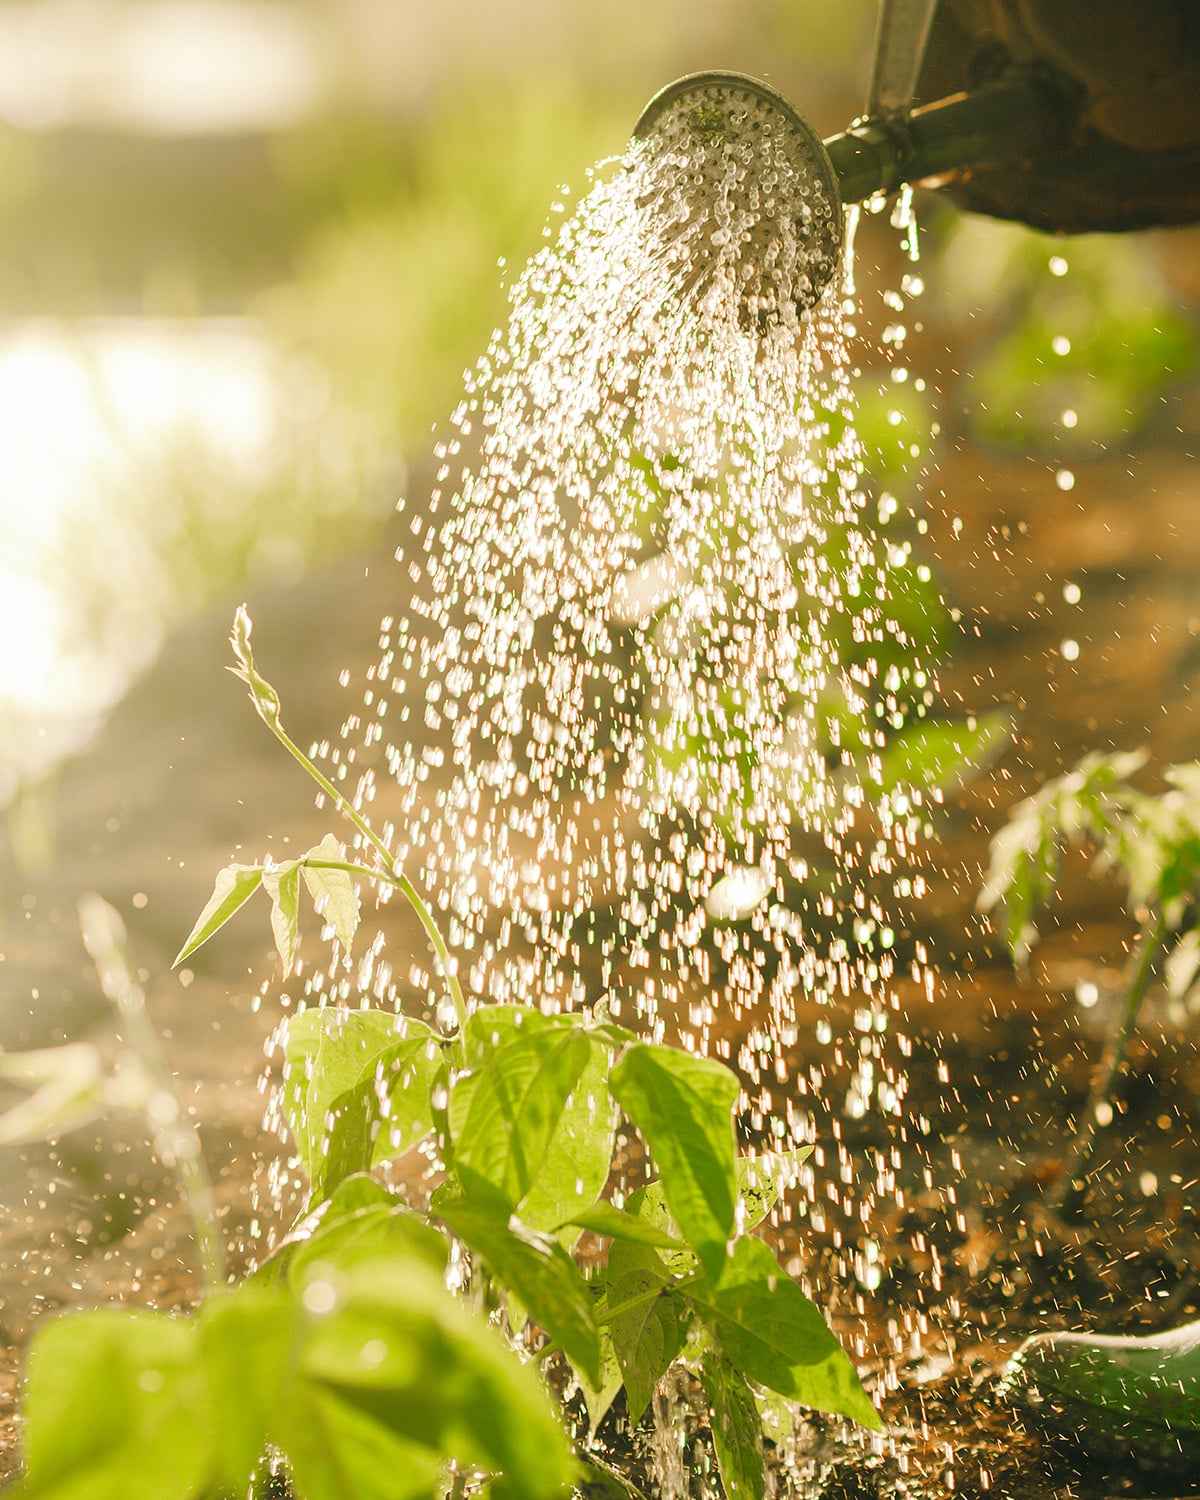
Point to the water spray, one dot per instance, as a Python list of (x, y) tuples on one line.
[(1021, 114)]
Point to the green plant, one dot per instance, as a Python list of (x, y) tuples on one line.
[(1153, 842), (343, 1358)]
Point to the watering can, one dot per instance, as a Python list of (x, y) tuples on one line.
[(1068, 115)]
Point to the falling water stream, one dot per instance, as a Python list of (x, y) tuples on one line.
[(628, 730)]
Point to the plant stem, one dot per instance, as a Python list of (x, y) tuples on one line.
[(643, 1299), (1105, 1085)]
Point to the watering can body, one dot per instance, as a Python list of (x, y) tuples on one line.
[(1130, 158)]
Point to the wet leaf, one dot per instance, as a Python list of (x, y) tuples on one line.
[(358, 1089), (537, 1270), (683, 1106), (282, 884), (262, 694), (504, 1117), (761, 1181), (769, 1331), (736, 1431), (648, 1337), (234, 886), (334, 892)]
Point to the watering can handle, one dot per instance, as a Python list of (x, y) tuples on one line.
[(899, 51)]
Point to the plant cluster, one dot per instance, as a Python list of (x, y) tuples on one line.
[(345, 1361)]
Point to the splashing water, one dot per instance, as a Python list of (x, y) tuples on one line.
[(627, 749)]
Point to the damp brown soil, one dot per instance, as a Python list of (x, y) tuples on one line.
[(967, 1261)]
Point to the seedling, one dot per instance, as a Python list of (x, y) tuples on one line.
[(343, 1360)]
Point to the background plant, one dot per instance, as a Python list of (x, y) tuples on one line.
[(1153, 843)]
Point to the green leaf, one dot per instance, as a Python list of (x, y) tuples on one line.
[(537, 1270), (337, 1449), (761, 1180), (70, 1091), (369, 1234), (248, 1340), (390, 1344), (334, 892), (234, 886), (603, 1218), (282, 884), (357, 1089), (600, 1397), (683, 1106), (504, 1117), (769, 1331), (1182, 965), (941, 756), (647, 1337), (649, 1204), (115, 1404), (736, 1431)]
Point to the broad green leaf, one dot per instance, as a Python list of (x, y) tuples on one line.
[(736, 1431), (357, 1090), (369, 1234), (504, 1117), (537, 1270), (646, 1335), (761, 1180), (768, 1330), (493, 1026), (348, 1198), (337, 1449), (282, 884), (234, 886), (683, 1106), (334, 892), (389, 1341), (69, 1091), (603, 1218), (598, 1480), (649, 1204), (248, 1341), (115, 1404)]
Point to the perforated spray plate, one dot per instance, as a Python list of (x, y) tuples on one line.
[(760, 190)]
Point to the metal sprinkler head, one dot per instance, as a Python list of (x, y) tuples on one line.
[(726, 130)]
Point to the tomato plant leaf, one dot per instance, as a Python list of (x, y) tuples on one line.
[(234, 886), (537, 1270), (334, 892), (337, 1449), (736, 1431), (282, 884), (683, 1106), (770, 1332)]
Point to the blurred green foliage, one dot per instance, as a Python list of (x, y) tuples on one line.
[(1086, 340)]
